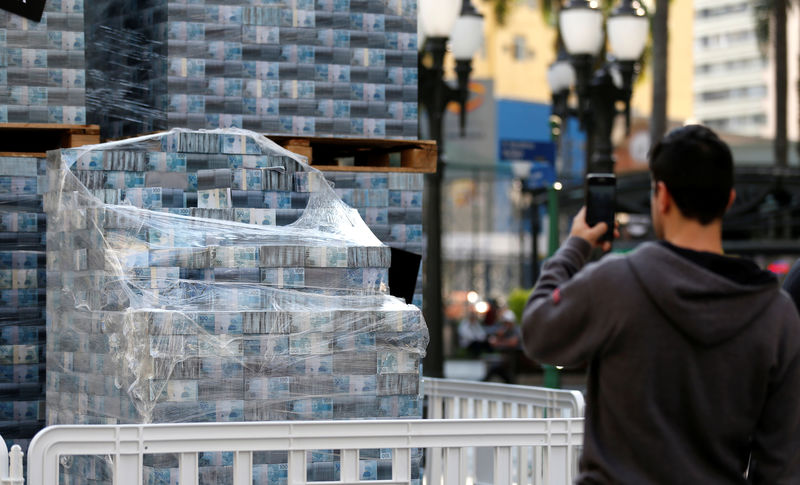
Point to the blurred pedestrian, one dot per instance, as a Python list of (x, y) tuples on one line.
[(472, 336), (492, 312), (694, 357), (505, 335), (505, 341)]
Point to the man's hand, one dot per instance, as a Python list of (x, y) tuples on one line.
[(581, 229)]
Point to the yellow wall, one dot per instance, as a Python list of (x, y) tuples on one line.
[(680, 67), (526, 80)]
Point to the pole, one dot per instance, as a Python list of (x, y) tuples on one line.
[(552, 377), (553, 239), (535, 240), (658, 118), (603, 98), (433, 364), (781, 146)]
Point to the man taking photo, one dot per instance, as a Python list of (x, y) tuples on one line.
[(693, 356)]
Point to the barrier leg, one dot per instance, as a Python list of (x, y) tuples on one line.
[(502, 465), (188, 469), (297, 468), (452, 466), (401, 465), (557, 464), (243, 468), (349, 466), (128, 470)]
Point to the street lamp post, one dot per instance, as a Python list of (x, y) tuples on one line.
[(463, 25), (600, 89)]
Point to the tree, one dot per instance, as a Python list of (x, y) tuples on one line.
[(660, 33), (501, 9), (771, 23)]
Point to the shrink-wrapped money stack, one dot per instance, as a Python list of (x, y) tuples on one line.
[(391, 205), (214, 276)]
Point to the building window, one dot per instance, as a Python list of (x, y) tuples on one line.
[(737, 123), (746, 92), (734, 66), (728, 39), (520, 48), (722, 10)]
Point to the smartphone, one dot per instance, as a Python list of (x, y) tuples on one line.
[(601, 201)]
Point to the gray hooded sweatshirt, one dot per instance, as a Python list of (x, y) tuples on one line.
[(694, 364)]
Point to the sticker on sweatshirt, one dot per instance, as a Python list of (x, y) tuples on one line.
[(556, 296)]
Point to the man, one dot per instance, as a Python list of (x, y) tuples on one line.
[(694, 357), (472, 336), (505, 340)]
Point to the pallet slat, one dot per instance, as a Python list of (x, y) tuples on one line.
[(332, 154), (356, 154)]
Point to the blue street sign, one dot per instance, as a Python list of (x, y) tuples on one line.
[(542, 154), (543, 174), (532, 151)]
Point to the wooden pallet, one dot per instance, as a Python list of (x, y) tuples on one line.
[(34, 139), (363, 154)]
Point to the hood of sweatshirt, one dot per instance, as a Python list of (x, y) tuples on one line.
[(703, 301)]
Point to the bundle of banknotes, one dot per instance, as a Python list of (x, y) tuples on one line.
[(42, 68)]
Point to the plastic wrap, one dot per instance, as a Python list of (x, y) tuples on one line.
[(169, 314), (42, 67), (311, 68)]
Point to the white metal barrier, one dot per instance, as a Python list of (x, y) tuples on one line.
[(475, 432), (454, 399), (556, 440), (10, 465), (458, 400)]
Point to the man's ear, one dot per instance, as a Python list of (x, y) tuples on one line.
[(663, 198), (731, 199)]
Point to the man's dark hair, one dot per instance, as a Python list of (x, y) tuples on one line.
[(697, 168)]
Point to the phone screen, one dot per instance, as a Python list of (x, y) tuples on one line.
[(601, 203)]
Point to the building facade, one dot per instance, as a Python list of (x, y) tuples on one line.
[(734, 88)]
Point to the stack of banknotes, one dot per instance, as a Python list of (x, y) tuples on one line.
[(42, 66), (301, 67), (22, 294)]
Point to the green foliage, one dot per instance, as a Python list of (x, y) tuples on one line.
[(517, 300), (762, 13), (501, 9)]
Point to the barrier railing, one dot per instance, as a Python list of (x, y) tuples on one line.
[(556, 440), (468, 437), (459, 400), (453, 399)]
